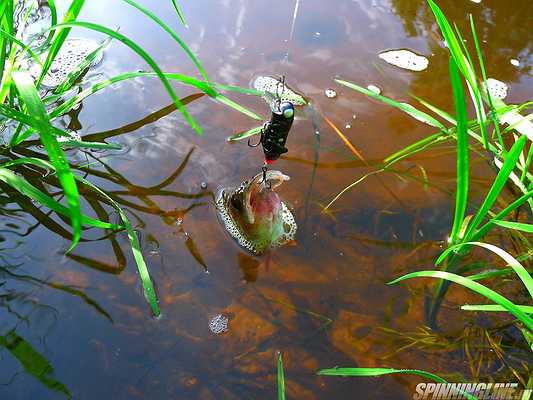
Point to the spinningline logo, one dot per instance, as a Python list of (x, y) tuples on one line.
[(456, 391)]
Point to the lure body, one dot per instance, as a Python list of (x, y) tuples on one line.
[(275, 132)]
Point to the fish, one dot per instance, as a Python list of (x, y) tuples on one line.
[(254, 215)]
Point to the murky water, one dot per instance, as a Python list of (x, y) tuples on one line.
[(81, 318)]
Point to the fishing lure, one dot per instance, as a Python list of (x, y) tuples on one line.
[(275, 132)]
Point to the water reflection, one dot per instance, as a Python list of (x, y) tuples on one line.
[(323, 302)]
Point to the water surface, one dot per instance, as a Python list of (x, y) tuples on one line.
[(323, 302)]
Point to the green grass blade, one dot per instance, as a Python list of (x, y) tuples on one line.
[(173, 34), (281, 378), (527, 164), (53, 21), (28, 93), (484, 76), (148, 287), (237, 89), (516, 226), (490, 274), (27, 189), (34, 193), (461, 60), (461, 196), (146, 57), (509, 259), (406, 108), (246, 134), (386, 371), (416, 147), (230, 103), (474, 286), (378, 372), (497, 186), (502, 214), (61, 32), (23, 46), (179, 13), (493, 308)]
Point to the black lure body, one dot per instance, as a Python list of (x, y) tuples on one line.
[(275, 132)]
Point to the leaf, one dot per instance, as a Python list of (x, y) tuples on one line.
[(509, 259), (502, 214), (378, 372), (474, 286), (28, 93), (497, 185), (406, 108), (146, 281), (179, 13), (146, 57), (493, 308), (461, 196), (61, 33), (281, 378), (246, 134), (173, 34), (515, 225), (24, 187)]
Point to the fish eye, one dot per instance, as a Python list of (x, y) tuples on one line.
[(287, 110)]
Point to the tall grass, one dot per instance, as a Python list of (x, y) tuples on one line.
[(23, 101), (513, 163)]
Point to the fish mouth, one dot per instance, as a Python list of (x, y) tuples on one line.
[(262, 186)]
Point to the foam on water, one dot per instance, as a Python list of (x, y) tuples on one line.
[(72, 53), (273, 89), (497, 89), (405, 59)]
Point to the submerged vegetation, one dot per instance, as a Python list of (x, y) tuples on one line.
[(506, 136), (28, 109)]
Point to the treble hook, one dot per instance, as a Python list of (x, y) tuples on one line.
[(264, 169), (263, 129)]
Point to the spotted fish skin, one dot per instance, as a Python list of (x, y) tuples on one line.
[(254, 215)]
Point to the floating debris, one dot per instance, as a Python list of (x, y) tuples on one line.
[(405, 59), (73, 136), (218, 324), (514, 62), (348, 126), (476, 1), (374, 88), (274, 89), (72, 53), (330, 93), (496, 89)]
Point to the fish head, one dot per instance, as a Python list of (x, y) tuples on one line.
[(254, 214)]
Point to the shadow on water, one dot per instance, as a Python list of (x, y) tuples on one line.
[(323, 302)]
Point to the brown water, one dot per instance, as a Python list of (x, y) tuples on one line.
[(323, 302)]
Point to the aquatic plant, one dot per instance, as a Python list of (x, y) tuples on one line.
[(28, 109), (513, 163)]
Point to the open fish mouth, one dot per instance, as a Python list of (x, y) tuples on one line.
[(254, 215)]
